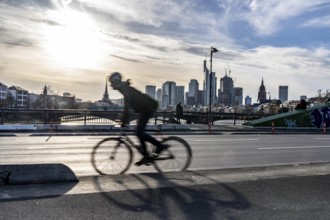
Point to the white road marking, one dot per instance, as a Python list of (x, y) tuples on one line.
[(283, 148), (226, 140)]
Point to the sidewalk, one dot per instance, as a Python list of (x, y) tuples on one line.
[(86, 184)]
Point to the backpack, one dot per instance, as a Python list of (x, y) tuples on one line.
[(141, 102)]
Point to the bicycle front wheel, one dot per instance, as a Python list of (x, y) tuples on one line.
[(112, 156), (177, 156)]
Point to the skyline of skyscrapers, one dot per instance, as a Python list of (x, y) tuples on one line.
[(228, 95)]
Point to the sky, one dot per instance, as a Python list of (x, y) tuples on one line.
[(71, 45)]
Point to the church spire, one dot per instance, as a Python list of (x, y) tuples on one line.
[(262, 92), (106, 94)]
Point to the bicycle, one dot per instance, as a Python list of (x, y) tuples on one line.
[(114, 155)]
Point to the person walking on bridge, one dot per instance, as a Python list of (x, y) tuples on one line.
[(179, 112)]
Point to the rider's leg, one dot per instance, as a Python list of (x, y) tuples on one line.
[(142, 122), (142, 135)]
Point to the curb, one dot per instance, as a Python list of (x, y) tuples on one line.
[(35, 173)]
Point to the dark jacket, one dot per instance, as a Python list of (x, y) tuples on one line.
[(179, 110), (136, 100)]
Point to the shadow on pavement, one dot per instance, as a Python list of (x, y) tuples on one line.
[(24, 182), (35, 173), (165, 199)]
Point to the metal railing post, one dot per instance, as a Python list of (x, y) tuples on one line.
[(2, 116), (163, 117), (85, 117), (45, 116), (235, 118)]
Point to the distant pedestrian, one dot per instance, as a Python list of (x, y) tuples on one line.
[(302, 105), (179, 112)]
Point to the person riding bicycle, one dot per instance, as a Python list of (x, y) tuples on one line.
[(140, 103)]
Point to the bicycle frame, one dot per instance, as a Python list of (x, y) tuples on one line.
[(124, 137)]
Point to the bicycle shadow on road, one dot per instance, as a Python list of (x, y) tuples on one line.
[(177, 196)]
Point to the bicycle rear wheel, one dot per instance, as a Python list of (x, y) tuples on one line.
[(112, 156), (177, 156)]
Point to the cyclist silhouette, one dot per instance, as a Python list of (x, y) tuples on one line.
[(140, 103)]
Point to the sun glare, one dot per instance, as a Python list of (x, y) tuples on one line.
[(74, 42)]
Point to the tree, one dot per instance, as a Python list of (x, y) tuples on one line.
[(8, 102)]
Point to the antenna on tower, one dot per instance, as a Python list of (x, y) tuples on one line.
[(229, 71)]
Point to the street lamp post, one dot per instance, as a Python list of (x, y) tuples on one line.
[(213, 50)]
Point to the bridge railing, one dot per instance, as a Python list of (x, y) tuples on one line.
[(62, 116)]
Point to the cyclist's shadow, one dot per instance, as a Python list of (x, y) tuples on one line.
[(162, 196)]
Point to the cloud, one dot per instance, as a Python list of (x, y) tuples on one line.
[(266, 17), (181, 20), (168, 40), (126, 59), (48, 22), (19, 42), (318, 22), (303, 70)]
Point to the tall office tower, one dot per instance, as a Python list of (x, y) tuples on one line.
[(248, 100), (150, 91), (262, 93), (226, 91), (169, 94), (200, 96), (159, 96), (206, 87), (283, 93), (180, 94), (213, 89), (193, 87), (238, 96), (193, 92)]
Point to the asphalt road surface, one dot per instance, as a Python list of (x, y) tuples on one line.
[(209, 151), (206, 191), (299, 197)]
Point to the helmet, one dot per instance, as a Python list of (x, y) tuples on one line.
[(115, 78)]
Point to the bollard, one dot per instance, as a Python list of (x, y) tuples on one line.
[(51, 130), (324, 127), (209, 128), (273, 127), (51, 126)]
